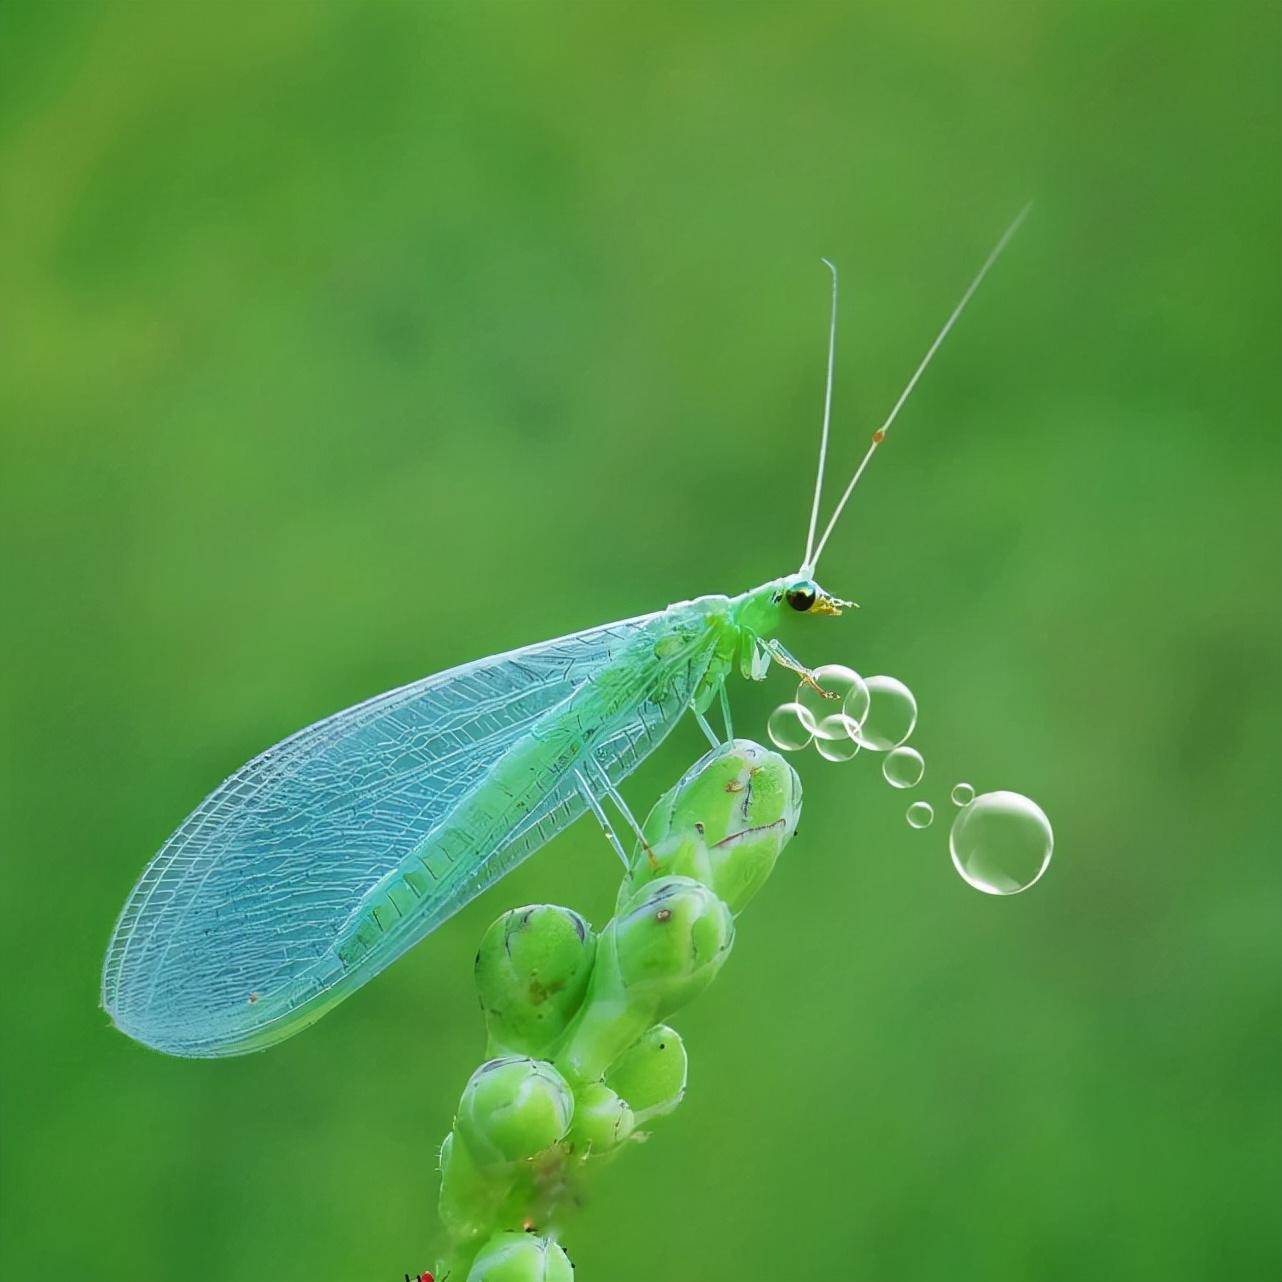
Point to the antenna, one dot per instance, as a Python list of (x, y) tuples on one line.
[(880, 434), (823, 439)]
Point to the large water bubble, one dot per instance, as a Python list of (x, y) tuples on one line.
[(891, 715), (1001, 843), (903, 767), (827, 714)]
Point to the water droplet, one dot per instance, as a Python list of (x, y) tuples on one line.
[(839, 749), (891, 715), (827, 718), (786, 728), (962, 794), (903, 767), (1001, 843), (921, 814)]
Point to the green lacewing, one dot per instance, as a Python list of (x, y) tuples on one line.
[(322, 860)]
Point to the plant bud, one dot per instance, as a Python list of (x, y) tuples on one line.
[(521, 1257), (724, 824), (662, 952), (651, 1074), (671, 942), (513, 1109), (531, 973), (602, 1121)]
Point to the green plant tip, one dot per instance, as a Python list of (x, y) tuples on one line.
[(579, 1058)]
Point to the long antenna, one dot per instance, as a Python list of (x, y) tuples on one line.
[(880, 434), (823, 439)]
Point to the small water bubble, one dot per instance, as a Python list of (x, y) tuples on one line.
[(962, 794), (786, 728), (1001, 843), (921, 814), (903, 767), (839, 749), (891, 715), (824, 717)]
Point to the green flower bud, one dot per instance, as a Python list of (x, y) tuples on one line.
[(724, 824), (602, 1121), (672, 942), (521, 1257), (662, 952), (531, 973), (651, 1074), (513, 1109)]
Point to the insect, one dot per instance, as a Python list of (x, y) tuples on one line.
[(322, 860)]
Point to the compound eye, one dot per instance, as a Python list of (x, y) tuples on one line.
[(802, 597)]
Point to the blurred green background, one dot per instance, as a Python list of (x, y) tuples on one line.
[(340, 343)]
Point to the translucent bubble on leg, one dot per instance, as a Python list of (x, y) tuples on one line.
[(1001, 843), (891, 715), (786, 728), (962, 794), (824, 716), (903, 767), (839, 749), (920, 814)]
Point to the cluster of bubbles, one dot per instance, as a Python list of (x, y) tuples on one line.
[(1000, 842)]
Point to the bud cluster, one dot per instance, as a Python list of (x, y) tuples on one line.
[(579, 1059)]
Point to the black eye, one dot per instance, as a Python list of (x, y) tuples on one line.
[(802, 597)]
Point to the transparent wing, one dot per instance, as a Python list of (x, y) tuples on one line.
[(250, 892)]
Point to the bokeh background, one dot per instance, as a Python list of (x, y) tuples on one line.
[(343, 342)]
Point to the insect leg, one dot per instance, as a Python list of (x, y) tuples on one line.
[(705, 727), (785, 660), (595, 807), (725, 712), (617, 797)]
